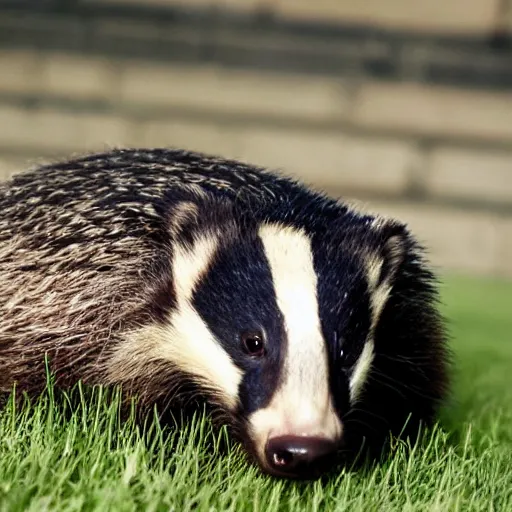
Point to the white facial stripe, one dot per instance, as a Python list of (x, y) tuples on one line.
[(184, 340), (191, 346), (361, 370), (379, 295), (302, 405), (374, 265), (189, 265), (378, 298), (291, 263)]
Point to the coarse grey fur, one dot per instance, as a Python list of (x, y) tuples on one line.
[(77, 268)]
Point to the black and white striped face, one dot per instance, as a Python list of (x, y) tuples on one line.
[(280, 329)]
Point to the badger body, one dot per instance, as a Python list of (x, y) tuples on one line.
[(305, 326)]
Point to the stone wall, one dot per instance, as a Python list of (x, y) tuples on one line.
[(436, 15), (437, 157)]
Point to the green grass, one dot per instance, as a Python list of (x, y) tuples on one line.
[(53, 460)]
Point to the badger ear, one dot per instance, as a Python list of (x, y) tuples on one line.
[(393, 248), (183, 216), (188, 216)]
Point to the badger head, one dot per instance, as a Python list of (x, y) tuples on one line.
[(280, 322)]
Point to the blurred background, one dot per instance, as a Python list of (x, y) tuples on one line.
[(405, 106)]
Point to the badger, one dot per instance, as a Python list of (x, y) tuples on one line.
[(305, 326)]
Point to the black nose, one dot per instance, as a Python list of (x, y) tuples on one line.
[(299, 456)]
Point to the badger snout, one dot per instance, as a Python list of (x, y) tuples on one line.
[(299, 456), (298, 442)]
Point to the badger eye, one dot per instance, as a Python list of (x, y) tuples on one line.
[(342, 354), (253, 343), (343, 359)]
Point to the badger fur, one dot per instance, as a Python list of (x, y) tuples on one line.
[(304, 325)]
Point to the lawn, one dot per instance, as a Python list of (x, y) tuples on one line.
[(51, 460)]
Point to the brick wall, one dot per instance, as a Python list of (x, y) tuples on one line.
[(437, 157)]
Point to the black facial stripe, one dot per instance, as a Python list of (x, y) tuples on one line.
[(237, 294), (345, 313)]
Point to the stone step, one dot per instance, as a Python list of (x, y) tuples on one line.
[(343, 160), (414, 110), (458, 16), (454, 16)]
